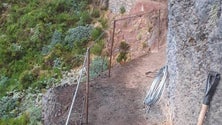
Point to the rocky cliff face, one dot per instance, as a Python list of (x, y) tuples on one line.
[(194, 48)]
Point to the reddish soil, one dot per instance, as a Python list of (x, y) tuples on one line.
[(143, 33)]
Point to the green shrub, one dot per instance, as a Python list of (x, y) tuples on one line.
[(122, 57), (124, 48), (57, 63), (80, 5), (33, 34), (35, 115), (21, 120), (122, 10), (8, 108), (95, 13), (98, 47), (85, 18), (80, 33), (15, 52), (36, 44), (71, 19), (73, 61), (13, 111), (98, 65), (104, 22), (3, 85), (56, 38), (63, 6), (96, 32), (27, 78)]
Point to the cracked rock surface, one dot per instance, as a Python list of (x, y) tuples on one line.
[(194, 49)]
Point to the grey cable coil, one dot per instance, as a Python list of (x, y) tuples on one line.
[(157, 87)]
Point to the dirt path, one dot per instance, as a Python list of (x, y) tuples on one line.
[(118, 100)]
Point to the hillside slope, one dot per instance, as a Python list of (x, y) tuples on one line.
[(118, 100), (115, 100)]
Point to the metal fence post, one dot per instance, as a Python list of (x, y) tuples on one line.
[(111, 51), (87, 86)]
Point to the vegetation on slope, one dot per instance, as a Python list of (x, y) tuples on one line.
[(38, 40)]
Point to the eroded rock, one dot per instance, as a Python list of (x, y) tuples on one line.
[(194, 48)]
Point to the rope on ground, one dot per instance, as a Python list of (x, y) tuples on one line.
[(157, 87)]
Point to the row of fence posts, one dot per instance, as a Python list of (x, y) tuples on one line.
[(86, 99), (110, 63)]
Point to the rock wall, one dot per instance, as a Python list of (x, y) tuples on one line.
[(194, 48)]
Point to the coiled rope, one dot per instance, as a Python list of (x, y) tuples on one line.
[(157, 87)]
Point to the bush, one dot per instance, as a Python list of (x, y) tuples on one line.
[(35, 115), (27, 78), (85, 18), (32, 33), (80, 5), (98, 65), (56, 38), (95, 13), (3, 83), (122, 10), (104, 23), (13, 111), (124, 48), (21, 120), (8, 108), (122, 57), (96, 32), (73, 61), (78, 34), (98, 47), (71, 19), (62, 6), (14, 52)]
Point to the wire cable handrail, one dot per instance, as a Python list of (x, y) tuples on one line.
[(78, 84), (83, 69)]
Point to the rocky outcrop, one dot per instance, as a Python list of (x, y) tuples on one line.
[(194, 48), (56, 103)]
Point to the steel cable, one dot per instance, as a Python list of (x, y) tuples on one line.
[(157, 87), (75, 94), (83, 69)]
